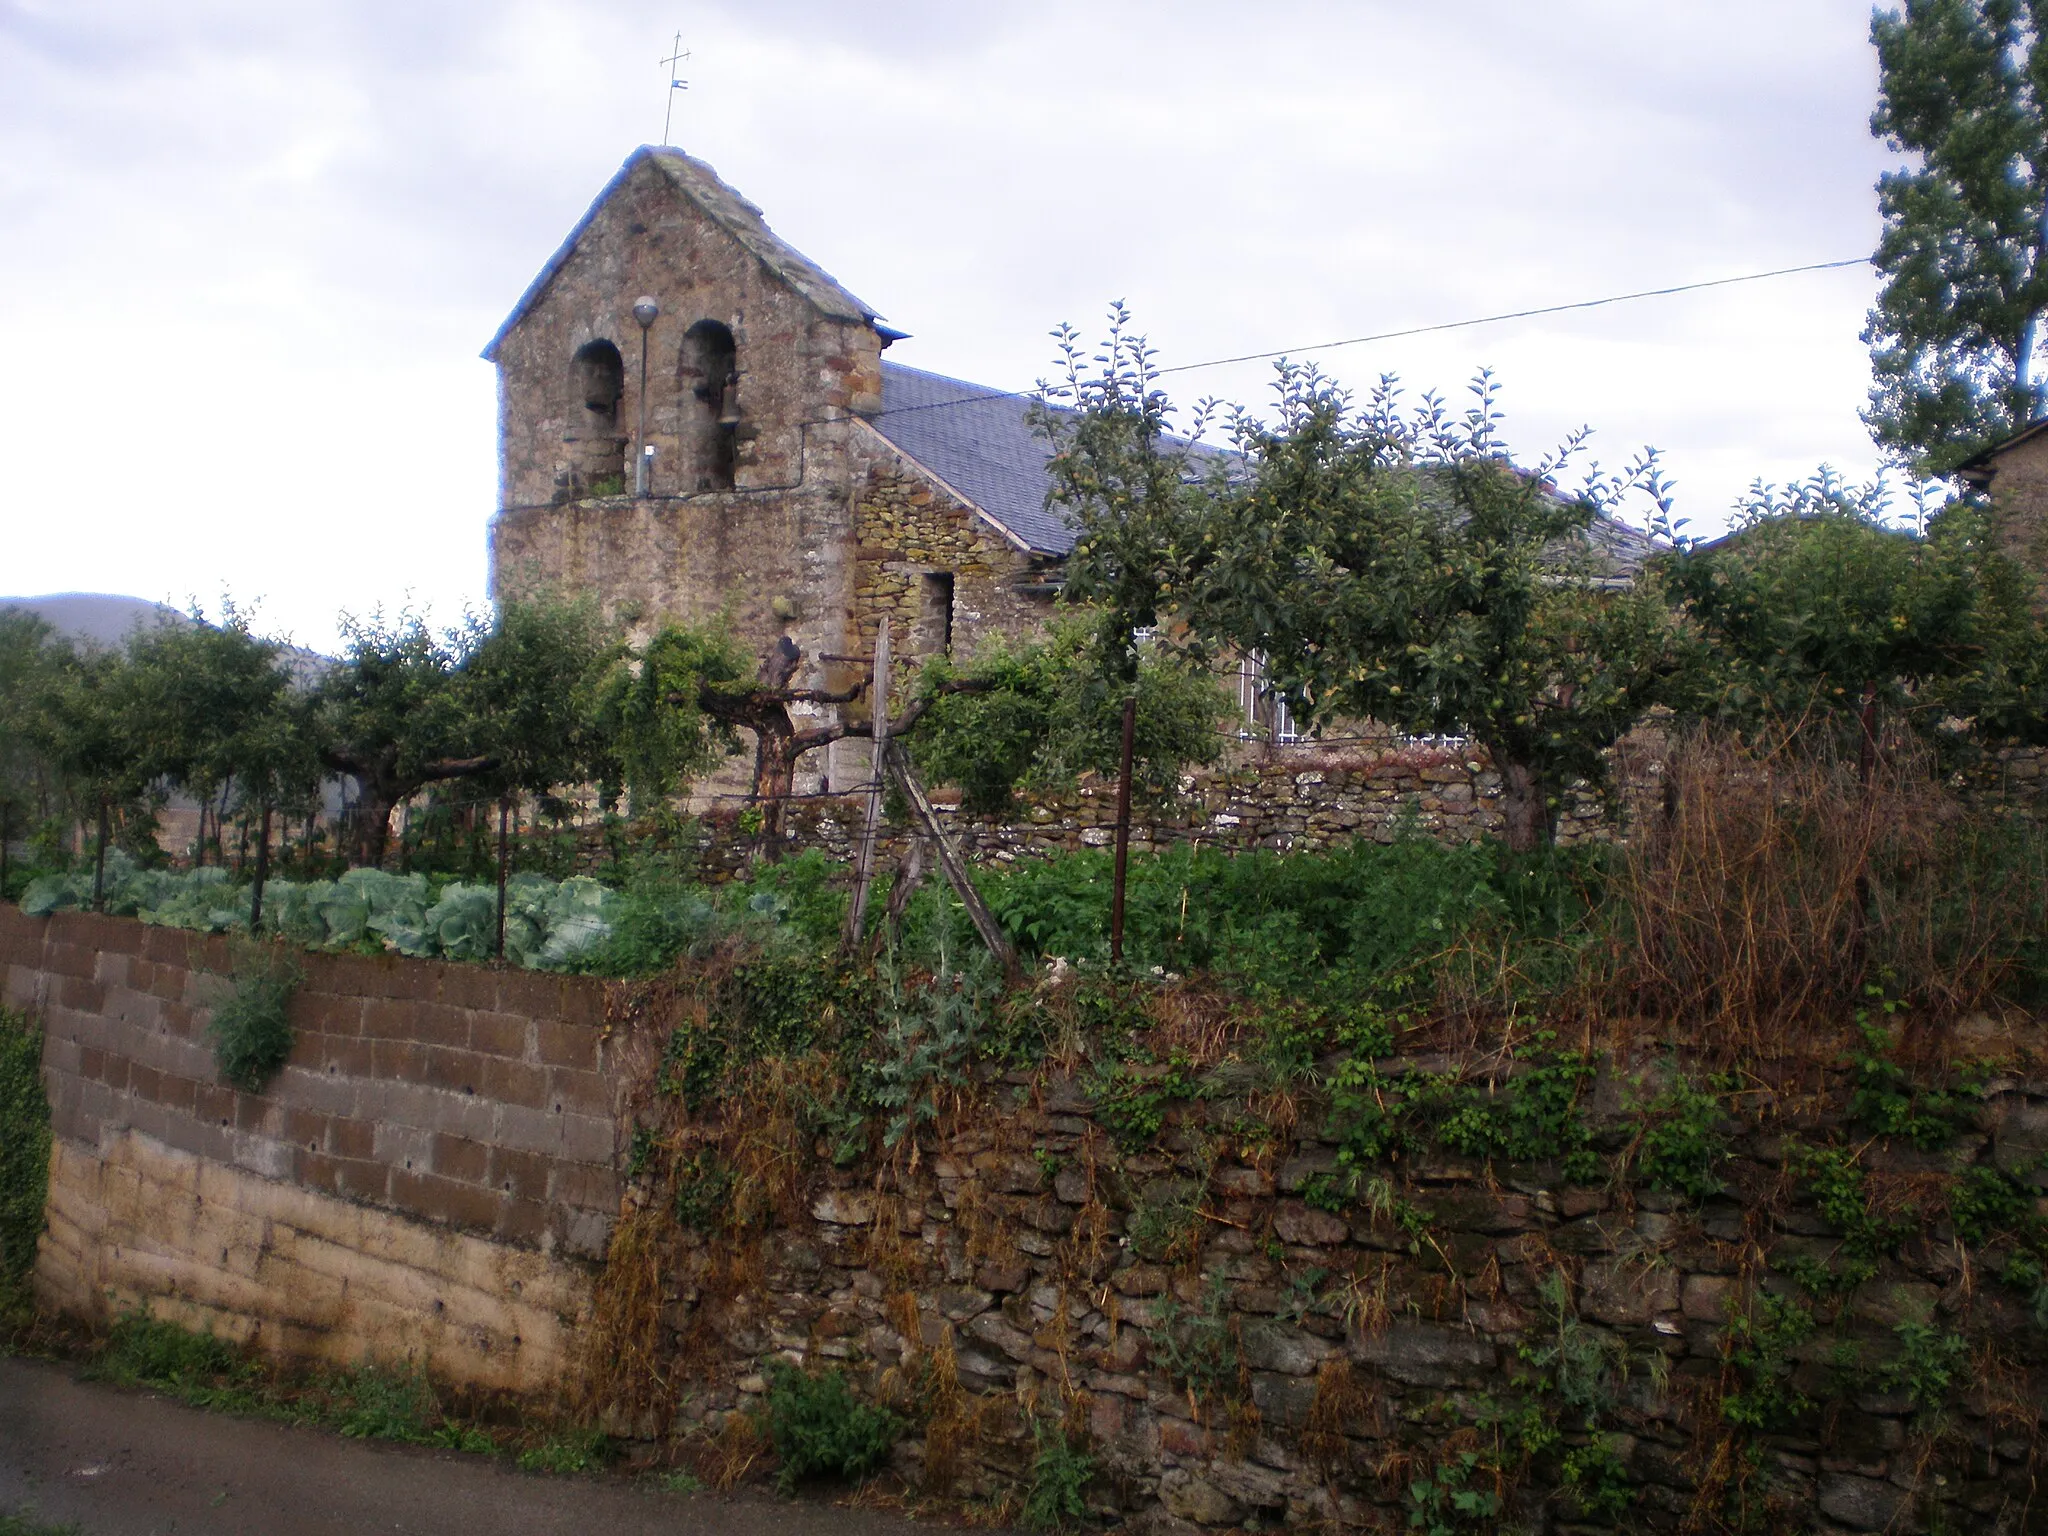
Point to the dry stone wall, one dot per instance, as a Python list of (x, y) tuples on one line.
[(1239, 1333), (1288, 799)]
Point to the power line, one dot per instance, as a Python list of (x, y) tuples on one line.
[(1425, 330)]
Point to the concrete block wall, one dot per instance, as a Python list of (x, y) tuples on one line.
[(449, 1122)]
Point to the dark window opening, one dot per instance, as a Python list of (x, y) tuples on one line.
[(597, 448), (710, 381), (935, 614)]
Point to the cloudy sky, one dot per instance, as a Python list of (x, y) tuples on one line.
[(249, 251)]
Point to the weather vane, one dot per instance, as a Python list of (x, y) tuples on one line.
[(675, 83)]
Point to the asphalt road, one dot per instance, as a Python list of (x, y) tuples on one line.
[(119, 1463)]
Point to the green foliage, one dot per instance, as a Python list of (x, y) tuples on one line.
[(216, 706), (24, 1150), (1815, 609), (1198, 1346), (1388, 565), (1533, 1116), (143, 1351), (818, 1427), (929, 1035), (1886, 1102), (24, 1523), (1929, 1362), (251, 1026), (1121, 477), (652, 711), (369, 1401), (1443, 1502), (1597, 1478), (533, 686), (1835, 1182), (703, 1197), (1986, 1201), (375, 1402), (1760, 1343), (1295, 926), (1036, 714), (1955, 327), (1131, 1095), (1584, 1367), (1165, 1225), (1054, 1497), (1684, 1139), (570, 1451)]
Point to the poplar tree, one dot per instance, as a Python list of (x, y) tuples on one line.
[(1956, 330)]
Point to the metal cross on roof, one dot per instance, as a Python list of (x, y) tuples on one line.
[(674, 84)]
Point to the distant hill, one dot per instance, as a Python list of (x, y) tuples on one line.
[(106, 618), (99, 617)]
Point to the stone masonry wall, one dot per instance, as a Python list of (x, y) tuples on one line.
[(1293, 798), (429, 1177), (905, 527), (1237, 1342)]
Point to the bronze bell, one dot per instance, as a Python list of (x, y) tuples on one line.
[(729, 401)]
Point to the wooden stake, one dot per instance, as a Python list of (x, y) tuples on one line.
[(909, 875), (864, 867), (955, 867), (1123, 833)]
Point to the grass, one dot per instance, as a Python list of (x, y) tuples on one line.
[(368, 1401), (24, 1523)]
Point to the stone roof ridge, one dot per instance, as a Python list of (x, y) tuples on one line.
[(732, 212)]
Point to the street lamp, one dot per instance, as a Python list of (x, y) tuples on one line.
[(645, 310)]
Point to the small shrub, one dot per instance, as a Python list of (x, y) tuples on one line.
[(379, 1403), (24, 1151), (569, 1452), (929, 1035), (819, 1428), (1132, 1097), (1533, 1117), (1059, 1476), (251, 1028), (1443, 1502), (1167, 1227), (1598, 1478), (1683, 1140), (1198, 1346), (1887, 1102), (1929, 1360), (703, 1199), (143, 1351), (1836, 1184), (1759, 1343)]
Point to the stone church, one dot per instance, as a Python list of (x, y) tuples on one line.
[(695, 421)]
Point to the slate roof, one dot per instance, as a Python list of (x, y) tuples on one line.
[(977, 440), (731, 212)]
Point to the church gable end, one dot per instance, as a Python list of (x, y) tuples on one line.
[(789, 344)]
